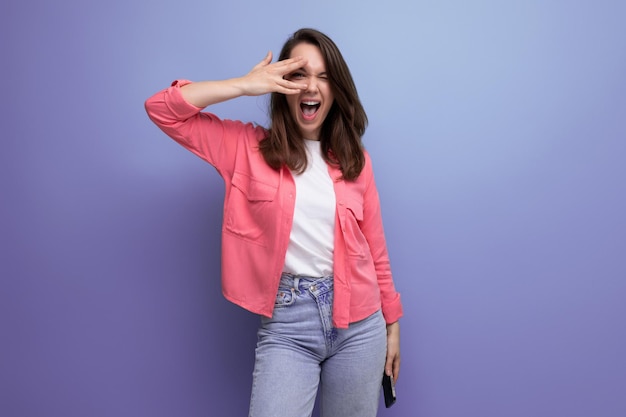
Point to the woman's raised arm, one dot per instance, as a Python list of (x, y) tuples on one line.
[(264, 78)]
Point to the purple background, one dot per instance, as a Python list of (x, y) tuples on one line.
[(498, 133)]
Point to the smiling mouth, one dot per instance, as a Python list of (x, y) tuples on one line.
[(309, 109)]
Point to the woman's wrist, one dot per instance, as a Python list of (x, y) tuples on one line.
[(393, 328)]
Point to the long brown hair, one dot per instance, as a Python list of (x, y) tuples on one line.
[(342, 129)]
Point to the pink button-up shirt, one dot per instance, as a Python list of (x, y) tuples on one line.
[(258, 211)]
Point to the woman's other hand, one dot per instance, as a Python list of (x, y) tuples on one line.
[(392, 364)]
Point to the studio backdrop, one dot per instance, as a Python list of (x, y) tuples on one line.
[(498, 135)]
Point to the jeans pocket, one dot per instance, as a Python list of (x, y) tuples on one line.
[(285, 297)]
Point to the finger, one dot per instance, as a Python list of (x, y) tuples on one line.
[(292, 85), (288, 91), (265, 61), (389, 365), (291, 64), (396, 368), (291, 60)]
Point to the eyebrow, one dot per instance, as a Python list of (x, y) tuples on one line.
[(305, 71)]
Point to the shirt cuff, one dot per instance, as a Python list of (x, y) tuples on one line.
[(392, 310), (177, 104)]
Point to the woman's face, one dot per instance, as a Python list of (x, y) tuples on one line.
[(310, 107)]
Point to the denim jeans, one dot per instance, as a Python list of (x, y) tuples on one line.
[(299, 351)]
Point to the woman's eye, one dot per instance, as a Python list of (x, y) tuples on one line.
[(297, 75)]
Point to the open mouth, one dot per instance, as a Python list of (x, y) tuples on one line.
[(309, 109)]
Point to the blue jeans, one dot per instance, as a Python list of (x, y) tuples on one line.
[(299, 351)]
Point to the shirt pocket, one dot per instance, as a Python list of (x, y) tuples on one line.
[(356, 243), (250, 208)]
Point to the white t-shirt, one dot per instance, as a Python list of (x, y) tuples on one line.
[(311, 242)]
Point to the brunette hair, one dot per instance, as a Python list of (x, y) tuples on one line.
[(342, 129)]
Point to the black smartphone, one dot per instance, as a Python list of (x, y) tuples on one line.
[(389, 390)]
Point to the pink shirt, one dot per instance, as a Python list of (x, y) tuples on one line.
[(258, 211)]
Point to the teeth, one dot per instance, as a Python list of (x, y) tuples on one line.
[(311, 103)]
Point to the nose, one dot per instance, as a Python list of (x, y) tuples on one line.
[(312, 84)]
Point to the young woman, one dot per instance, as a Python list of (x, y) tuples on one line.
[(302, 237)]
